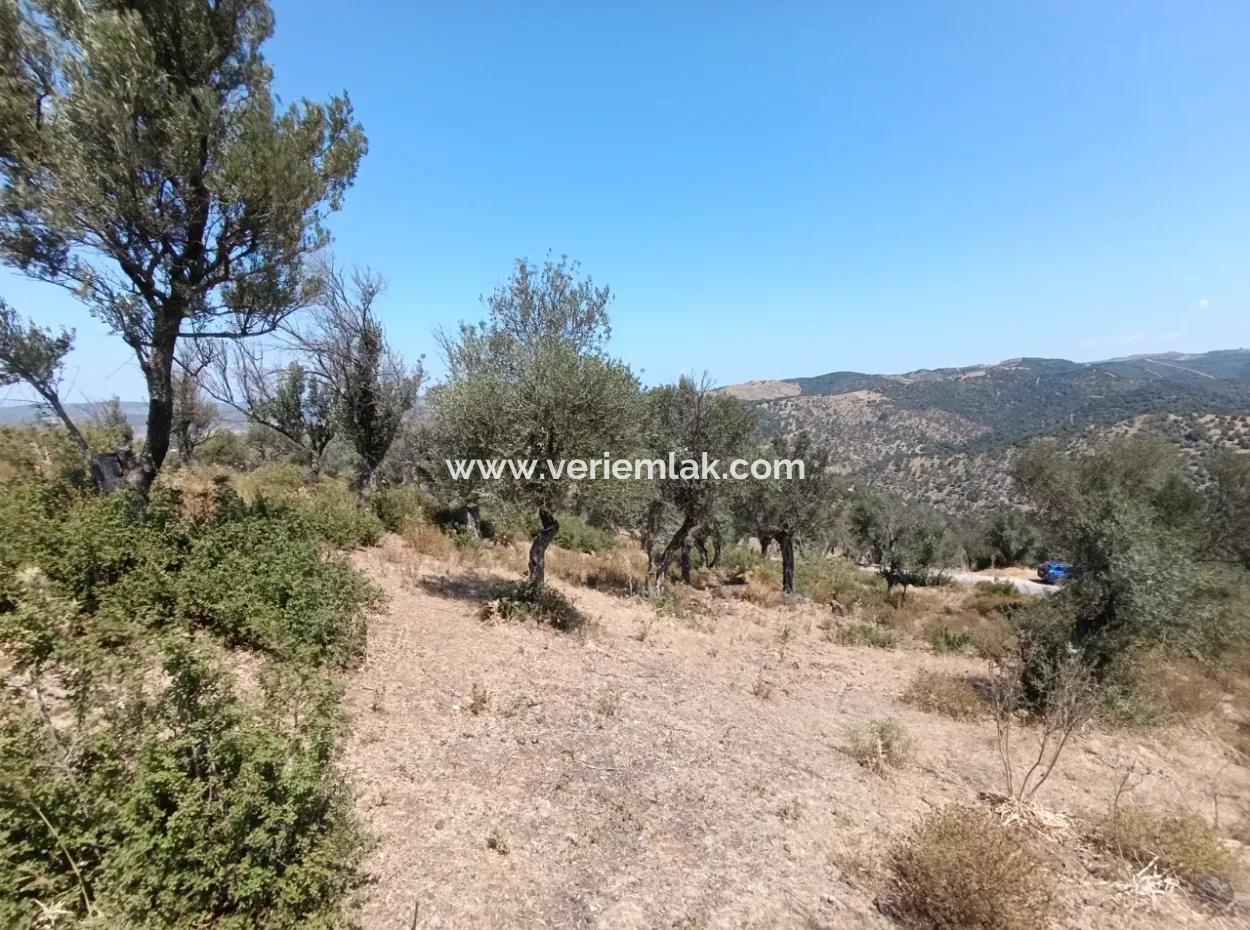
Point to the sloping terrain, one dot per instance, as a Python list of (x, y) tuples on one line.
[(945, 435), (652, 772)]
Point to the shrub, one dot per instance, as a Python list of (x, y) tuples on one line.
[(179, 804), (578, 535), (1178, 844), (522, 601), (139, 788), (264, 582), (881, 745), (736, 561), (399, 507), (865, 634), (327, 504), (962, 868), (429, 540), (998, 588), (943, 693), (943, 640)]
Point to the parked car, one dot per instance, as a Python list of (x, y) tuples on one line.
[(1054, 572)]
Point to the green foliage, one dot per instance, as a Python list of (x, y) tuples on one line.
[(534, 381), (1136, 531), (865, 634), (908, 542), (738, 560), (262, 582), (225, 448), (159, 119), (998, 588), (400, 507), (194, 416), (575, 533), (327, 505), (1012, 537), (943, 641), (1230, 508), (524, 601), (171, 805), (140, 788), (255, 574), (371, 386), (791, 509)]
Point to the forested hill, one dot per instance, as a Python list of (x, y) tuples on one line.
[(946, 434)]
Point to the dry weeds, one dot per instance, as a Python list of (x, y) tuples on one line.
[(693, 803)]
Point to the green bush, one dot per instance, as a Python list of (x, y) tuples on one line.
[(328, 505), (943, 641), (865, 634), (171, 806), (522, 601), (262, 582), (253, 574), (139, 788), (576, 534), (998, 588), (400, 507), (738, 560)]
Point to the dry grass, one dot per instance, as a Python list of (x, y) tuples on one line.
[(617, 571), (944, 693), (761, 593), (429, 541), (962, 868), (865, 634), (733, 752), (881, 746), (1174, 689), (1177, 844)]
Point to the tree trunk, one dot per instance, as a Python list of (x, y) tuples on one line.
[(659, 572), (786, 542), (473, 521), (765, 541), (158, 371), (538, 549), (685, 560), (715, 551)]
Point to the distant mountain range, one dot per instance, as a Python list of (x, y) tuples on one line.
[(136, 413), (947, 434)]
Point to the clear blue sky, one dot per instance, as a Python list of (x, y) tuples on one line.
[(784, 189)]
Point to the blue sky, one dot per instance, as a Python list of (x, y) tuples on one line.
[(785, 189)]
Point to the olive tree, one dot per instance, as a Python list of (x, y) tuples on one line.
[(904, 540), (148, 168), (787, 506), (1135, 530), (692, 422), (1229, 521), (534, 383)]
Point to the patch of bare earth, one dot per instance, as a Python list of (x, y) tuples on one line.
[(664, 773)]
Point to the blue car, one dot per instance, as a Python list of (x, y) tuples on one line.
[(1054, 572)]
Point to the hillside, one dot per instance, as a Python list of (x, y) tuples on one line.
[(945, 435), (699, 770)]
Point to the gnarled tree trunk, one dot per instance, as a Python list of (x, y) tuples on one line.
[(786, 543), (659, 571), (538, 549)]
